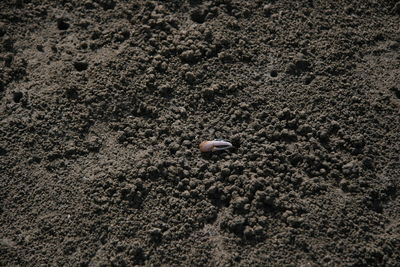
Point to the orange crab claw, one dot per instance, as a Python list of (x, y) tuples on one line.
[(215, 145)]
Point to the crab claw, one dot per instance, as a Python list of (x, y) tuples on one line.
[(215, 145)]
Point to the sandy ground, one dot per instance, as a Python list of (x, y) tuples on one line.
[(103, 104)]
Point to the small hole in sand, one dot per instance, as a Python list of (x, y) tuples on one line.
[(274, 73)]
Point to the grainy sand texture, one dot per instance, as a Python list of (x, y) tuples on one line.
[(103, 105)]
